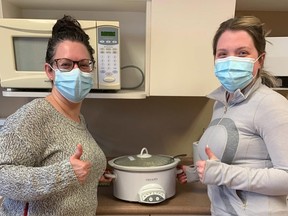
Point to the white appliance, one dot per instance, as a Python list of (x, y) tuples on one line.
[(276, 61), (144, 178), (23, 45)]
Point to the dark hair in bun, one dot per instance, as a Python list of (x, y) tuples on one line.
[(67, 28)]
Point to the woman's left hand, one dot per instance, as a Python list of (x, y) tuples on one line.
[(201, 164)]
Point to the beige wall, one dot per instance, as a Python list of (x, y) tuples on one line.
[(276, 21)]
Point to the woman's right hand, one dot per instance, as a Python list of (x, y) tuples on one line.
[(81, 168), (201, 164), (187, 174)]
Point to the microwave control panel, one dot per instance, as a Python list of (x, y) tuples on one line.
[(108, 51)]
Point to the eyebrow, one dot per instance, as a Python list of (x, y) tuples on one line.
[(244, 47), (237, 49)]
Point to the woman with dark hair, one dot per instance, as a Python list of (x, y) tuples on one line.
[(244, 150), (49, 162)]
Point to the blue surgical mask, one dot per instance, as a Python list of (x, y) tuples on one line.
[(73, 85), (234, 72)]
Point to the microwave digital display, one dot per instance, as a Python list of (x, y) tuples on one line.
[(108, 33)]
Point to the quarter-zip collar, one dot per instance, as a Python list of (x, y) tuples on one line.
[(220, 94)]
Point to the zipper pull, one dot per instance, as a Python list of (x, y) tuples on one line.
[(225, 109)]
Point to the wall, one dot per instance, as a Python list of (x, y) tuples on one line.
[(166, 125), (274, 20)]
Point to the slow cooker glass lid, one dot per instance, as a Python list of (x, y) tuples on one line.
[(144, 160)]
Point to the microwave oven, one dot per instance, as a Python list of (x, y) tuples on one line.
[(23, 45)]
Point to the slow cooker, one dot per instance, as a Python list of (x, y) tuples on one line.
[(144, 178)]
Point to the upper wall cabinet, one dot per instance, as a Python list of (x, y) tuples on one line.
[(181, 61), (170, 40)]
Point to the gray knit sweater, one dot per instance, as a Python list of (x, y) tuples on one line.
[(36, 143)]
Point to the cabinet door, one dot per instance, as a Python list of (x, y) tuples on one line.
[(181, 58)]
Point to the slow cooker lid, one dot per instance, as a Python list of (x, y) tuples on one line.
[(144, 159)]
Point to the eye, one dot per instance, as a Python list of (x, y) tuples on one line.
[(243, 53), (221, 54), (65, 63), (86, 65)]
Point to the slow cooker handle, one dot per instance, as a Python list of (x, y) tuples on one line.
[(179, 155), (172, 158), (110, 175)]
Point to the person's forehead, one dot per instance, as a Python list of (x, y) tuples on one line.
[(235, 39), (71, 49)]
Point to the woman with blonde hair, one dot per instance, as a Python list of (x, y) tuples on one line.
[(244, 150)]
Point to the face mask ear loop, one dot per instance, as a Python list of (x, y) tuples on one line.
[(258, 71), (51, 67), (50, 78), (258, 57)]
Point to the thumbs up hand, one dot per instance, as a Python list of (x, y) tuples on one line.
[(210, 154), (201, 163), (81, 168)]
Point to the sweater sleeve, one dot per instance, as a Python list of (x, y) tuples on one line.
[(21, 180), (264, 181), (271, 122)]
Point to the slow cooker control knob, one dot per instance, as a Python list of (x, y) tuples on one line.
[(151, 194)]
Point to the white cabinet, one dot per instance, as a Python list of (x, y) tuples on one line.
[(171, 40), (181, 61)]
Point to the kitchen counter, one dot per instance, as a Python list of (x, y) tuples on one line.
[(189, 199)]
